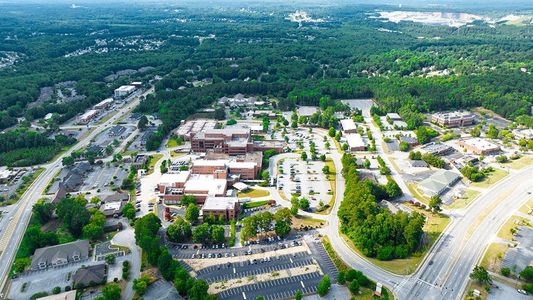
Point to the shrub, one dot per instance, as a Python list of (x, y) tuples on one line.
[(505, 272)]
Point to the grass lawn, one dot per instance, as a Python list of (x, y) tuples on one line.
[(474, 285), (172, 143), (300, 221), (176, 154), (338, 145), (527, 208), (253, 193), (493, 257), (333, 183), (494, 177), (464, 202), (254, 204), (153, 160), (434, 226), (342, 266), (513, 222), (520, 163), (418, 195)]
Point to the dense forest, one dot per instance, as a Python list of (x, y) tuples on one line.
[(375, 230), (202, 53)]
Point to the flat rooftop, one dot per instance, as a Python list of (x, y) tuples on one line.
[(219, 203), (355, 140), (348, 124)]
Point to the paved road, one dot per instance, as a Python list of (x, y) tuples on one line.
[(444, 272), (13, 233)]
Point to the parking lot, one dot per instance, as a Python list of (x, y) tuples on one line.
[(275, 289), (270, 263), (522, 255), (306, 179), (101, 177)]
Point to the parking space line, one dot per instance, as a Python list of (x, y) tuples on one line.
[(244, 295), (302, 283)]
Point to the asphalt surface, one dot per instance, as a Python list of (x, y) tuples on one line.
[(13, 233), (282, 288)]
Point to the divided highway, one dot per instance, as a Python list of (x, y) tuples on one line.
[(12, 235)]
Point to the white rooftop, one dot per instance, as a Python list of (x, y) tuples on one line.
[(348, 124), (219, 203), (355, 140), (481, 144), (394, 116), (242, 164), (125, 88), (205, 183), (171, 178), (210, 163), (112, 205), (89, 114)]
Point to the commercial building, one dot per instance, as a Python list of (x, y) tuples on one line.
[(90, 276), (355, 142), (232, 141), (479, 146), (227, 207), (394, 116), (88, 116), (116, 130), (113, 204), (526, 134), (348, 126), (70, 295), (6, 174), (411, 141), (437, 183), (104, 104), (454, 119), (123, 91), (437, 149), (188, 129), (60, 255)]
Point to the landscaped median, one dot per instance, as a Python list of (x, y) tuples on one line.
[(434, 226), (332, 178), (364, 292)]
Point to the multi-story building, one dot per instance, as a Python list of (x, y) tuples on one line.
[(233, 141), (123, 91), (454, 119), (227, 207)]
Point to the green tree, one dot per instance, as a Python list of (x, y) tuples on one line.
[(198, 290), (110, 259), (481, 275), (325, 169), (282, 228), (323, 286), (139, 286), (143, 121), (111, 291), (68, 161), (192, 213), (345, 147), (217, 234), (303, 203), (74, 215), (201, 234), (43, 211), (298, 295), (354, 286), (128, 211), (331, 132), (492, 132), (179, 231), (404, 146), (186, 200), (304, 156), (435, 203), (527, 274)]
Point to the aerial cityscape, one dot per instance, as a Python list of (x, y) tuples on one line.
[(266, 150)]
